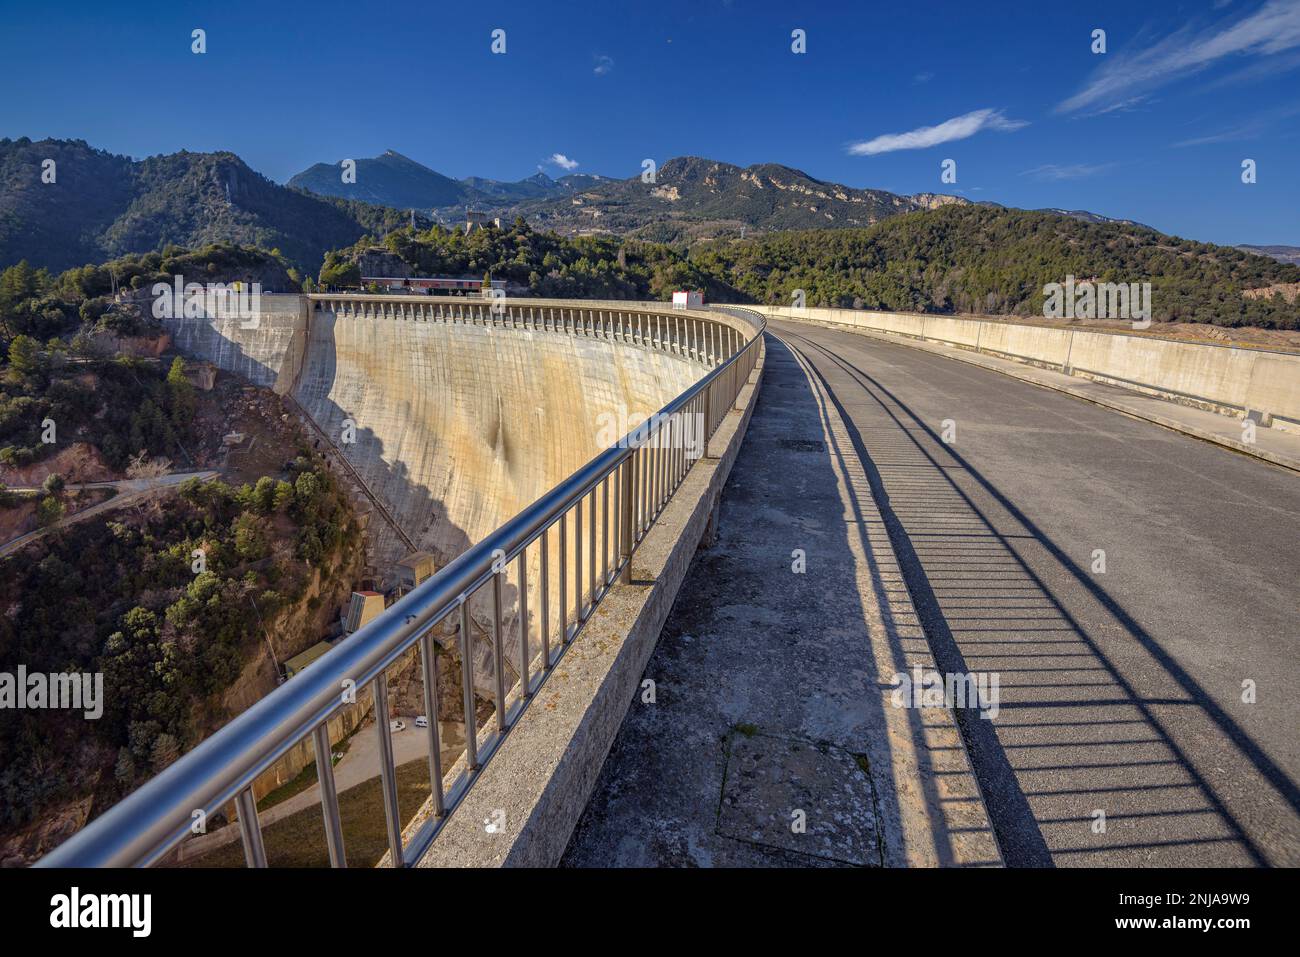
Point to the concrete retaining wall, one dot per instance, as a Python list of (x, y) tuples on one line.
[(1223, 379)]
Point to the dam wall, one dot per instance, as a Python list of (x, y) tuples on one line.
[(459, 426), (455, 416), (1225, 379), (266, 348)]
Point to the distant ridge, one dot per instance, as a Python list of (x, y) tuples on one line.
[(103, 205), (690, 198), (1285, 254)]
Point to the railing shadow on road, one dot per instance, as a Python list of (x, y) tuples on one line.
[(940, 533), (785, 662)]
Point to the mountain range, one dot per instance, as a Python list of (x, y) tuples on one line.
[(92, 205), (99, 205), (1286, 254), (392, 179), (689, 198)]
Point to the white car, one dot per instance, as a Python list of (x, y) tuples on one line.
[(396, 725), (422, 721)]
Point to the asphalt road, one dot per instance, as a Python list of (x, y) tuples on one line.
[(1148, 713)]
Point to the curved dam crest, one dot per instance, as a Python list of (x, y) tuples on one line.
[(457, 425), (460, 426)]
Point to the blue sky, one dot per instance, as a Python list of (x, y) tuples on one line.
[(1155, 129)]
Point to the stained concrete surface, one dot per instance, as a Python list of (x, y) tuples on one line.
[(454, 427), (800, 796), (755, 651)]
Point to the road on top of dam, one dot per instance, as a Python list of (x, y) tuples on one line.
[(1134, 590)]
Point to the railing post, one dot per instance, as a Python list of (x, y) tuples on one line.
[(498, 646), (387, 771), (429, 667), (524, 683), (329, 799), (544, 541), (564, 584), (249, 829), (626, 509), (467, 682)]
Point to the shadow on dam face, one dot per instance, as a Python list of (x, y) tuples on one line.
[(454, 427)]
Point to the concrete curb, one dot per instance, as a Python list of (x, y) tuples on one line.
[(974, 358), (539, 781)]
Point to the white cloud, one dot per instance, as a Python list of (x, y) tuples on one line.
[(957, 128), (603, 65), (1273, 28), (1251, 128), (562, 161), (1055, 172)]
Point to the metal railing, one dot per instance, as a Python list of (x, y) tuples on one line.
[(539, 578)]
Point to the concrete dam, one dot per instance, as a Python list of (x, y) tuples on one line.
[(454, 425), (453, 416)]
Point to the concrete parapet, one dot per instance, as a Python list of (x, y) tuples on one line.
[(1224, 379)]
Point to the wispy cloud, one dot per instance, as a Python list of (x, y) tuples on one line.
[(957, 128), (1249, 129), (1054, 172), (924, 77), (1273, 28), (603, 65), (562, 161)]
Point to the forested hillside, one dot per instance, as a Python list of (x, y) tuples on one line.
[(100, 205), (964, 259), (118, 593), (996, 261), (587, 267)]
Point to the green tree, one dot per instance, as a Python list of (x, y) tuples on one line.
[(180, 394), (25, 355), (48, 511)]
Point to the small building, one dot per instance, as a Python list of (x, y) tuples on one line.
[(303, 659), (201, 375), (365, 607), (688, 299), (429, 284), (413, 569)]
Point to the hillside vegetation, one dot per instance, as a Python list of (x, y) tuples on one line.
[(954, 259), (997, 261), (102, 205), (587, 267), (54, 366), (120, 596)]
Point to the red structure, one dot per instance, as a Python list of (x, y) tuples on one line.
[(429, 284)]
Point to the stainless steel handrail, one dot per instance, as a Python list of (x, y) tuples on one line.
[(640, 474)]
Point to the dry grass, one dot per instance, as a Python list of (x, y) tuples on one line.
[(299, 840)]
